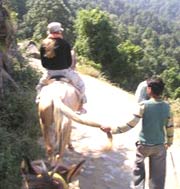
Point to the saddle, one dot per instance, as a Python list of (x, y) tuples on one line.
[(60, 78), (63, 79)]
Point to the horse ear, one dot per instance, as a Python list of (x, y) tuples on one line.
[(74, 170), (26, 167)]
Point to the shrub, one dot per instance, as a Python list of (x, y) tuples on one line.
[(19, 127)]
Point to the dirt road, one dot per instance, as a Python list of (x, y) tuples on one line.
[(113, 169), (110, 169)]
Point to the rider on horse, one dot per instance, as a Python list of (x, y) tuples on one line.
[(57, 60)]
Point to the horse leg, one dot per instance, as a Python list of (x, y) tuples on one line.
[(45, 119), (64, 139), (58, 120), (45, 133), (69, 130)]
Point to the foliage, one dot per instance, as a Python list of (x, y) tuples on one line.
[(106, 34), (19, 127), (14, 145), (42, 12), (89, 67), (172, 78), (18, 6), (130, 55), (94, 36), (175, 104)]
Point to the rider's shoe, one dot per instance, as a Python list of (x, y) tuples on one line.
[(37, 99), (81, 111)]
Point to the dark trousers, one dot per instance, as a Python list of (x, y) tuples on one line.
[(157, 166)]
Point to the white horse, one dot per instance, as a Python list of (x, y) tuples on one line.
[(58, 102)]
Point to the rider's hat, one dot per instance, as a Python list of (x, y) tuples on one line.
[(55, 27)]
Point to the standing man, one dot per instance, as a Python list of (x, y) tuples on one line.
[(155, 137), (141, 91)]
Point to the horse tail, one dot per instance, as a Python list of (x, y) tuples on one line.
[(68, 112), (72, 115), (58, 124)]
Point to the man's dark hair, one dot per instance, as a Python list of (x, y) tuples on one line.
[(156, 84)]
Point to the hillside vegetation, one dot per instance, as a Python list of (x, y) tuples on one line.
[(123, 38)]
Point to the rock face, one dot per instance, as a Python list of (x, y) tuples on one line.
[(7, 46), (6, 29), (32, 50), (3, 16)]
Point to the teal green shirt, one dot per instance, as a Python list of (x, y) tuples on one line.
[(157, 122), (156, 113)]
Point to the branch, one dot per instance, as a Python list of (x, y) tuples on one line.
[(6, 75)]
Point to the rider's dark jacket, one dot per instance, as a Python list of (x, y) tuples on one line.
[(61, 60)]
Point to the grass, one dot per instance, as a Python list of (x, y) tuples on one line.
[(88, 70), (175, 105)]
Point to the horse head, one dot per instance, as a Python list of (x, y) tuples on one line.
[(40, 175)]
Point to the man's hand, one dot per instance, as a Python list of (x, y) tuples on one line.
[(105, 129), (167, 145)]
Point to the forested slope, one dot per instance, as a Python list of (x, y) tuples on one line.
[(133, 37)]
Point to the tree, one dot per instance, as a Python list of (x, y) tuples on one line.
[(19, 6), (6, 41), (40, 13), (94, 36), (172, 78), (131, 55)]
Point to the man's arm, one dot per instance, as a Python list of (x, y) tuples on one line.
[(131, 123)]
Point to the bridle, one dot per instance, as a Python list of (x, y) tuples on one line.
[(41, 178), (45, 181)]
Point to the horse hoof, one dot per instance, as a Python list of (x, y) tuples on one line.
[(49, 151), (70, 147)]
